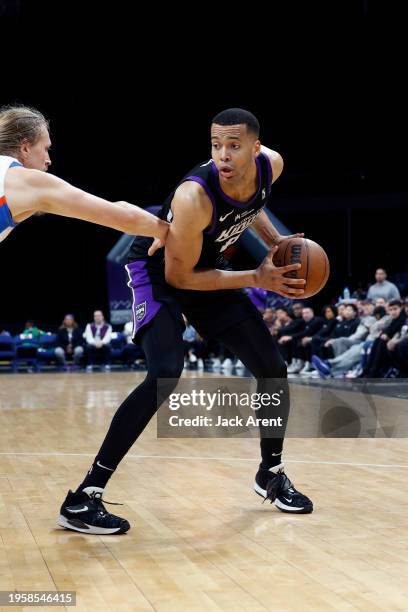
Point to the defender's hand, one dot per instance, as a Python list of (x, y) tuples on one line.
[(160, 239)]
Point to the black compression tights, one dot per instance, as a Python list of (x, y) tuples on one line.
[(162, 343)]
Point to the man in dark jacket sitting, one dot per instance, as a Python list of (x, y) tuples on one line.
[(69, 342), (301, 341), (343, 329), (291, 324)]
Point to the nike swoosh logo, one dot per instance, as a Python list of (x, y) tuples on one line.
[(288, 500), (225, 216), (83, 509), (100, 464)]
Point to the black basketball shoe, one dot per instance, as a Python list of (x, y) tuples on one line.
[(86, 513), (274, 485)]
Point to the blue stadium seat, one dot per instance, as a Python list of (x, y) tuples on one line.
[(27, 351), (46, 348), (8, 350)]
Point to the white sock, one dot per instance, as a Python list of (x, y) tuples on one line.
[(90, 490)]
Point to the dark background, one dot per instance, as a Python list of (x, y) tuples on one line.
[(130, 98)]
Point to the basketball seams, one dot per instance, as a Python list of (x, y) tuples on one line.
[(318, 270), (284, 254), (307, 259)]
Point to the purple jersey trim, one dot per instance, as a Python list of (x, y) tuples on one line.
[(230, 200), (144, 306), (208, 191), (270, 172)]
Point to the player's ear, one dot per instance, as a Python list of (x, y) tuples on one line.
[(25, 148), (257, 147)]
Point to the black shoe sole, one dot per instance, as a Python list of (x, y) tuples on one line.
[(294, 511), (81, 527)]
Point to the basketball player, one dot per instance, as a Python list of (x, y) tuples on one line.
[(26, 189), (208, 211)]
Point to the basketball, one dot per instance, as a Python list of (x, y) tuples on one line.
[(315, 267)]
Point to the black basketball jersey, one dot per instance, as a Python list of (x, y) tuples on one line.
[(230, 217)]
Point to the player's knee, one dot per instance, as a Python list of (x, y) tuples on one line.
[(171, 368)]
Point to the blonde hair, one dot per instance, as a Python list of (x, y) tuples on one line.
[(17, 125)]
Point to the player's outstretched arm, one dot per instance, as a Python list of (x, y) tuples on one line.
[(192, 212), (41, 192)]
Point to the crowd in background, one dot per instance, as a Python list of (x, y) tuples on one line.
[(361, 336), (358, 337), (95, 346)]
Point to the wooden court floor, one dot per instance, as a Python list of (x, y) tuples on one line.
[(200, 538)]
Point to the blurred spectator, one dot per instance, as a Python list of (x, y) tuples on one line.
[(379, 360), (69, 342), (359, 304), (301, 342), (128, 332), (269, 317), (329, 323), (367, 308), (399, 355), (98, 338), (383, 288), (340, 311), (383, 319), (381, 302), (193, 346), (369, 329), (31, 332), (28, 348), (286, 331), (342, 330), (346, 324), (297, 308), (396, 350), (133, 355), (283, 317), (340, 345)]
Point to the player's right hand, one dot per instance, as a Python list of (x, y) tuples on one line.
[(271, 278)]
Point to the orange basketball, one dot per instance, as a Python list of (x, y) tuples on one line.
[(315, 267)]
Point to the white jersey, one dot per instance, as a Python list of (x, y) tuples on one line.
[(6, 220)]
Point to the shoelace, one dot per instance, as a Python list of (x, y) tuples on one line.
[(97, 498), (285, 485)]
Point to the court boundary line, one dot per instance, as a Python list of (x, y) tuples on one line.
[(130, 456)]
